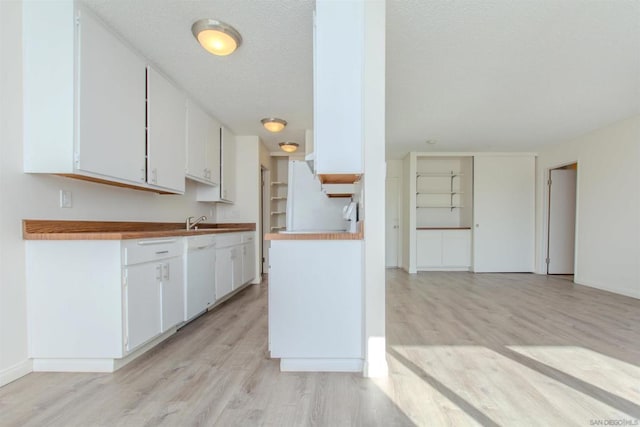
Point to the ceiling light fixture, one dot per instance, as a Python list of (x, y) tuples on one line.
[(273, 124), (216, 37), (289, 147)]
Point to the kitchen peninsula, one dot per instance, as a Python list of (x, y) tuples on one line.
[(315, 294)]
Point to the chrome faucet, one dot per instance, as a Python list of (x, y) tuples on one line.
[(192, 222)]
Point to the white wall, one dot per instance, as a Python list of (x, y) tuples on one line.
[(36, 196), (608, 205)]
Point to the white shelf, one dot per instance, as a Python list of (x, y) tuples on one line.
[(279, 183), (278, 213), (278, 228), (279, 198)]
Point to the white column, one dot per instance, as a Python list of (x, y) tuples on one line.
[(374, 189)]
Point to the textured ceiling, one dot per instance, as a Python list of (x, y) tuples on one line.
[(471, 75)]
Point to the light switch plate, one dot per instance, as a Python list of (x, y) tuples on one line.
[(65, 199)]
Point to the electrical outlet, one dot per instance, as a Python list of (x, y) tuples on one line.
[(65, 199)]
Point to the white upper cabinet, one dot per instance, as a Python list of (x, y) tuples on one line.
[(166, 130), (338, 87), (85, 115), (84, 104), (203, 146), (110, 118), (225, 192)]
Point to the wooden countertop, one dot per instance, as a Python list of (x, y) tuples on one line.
[(35, 229), (317, 236)]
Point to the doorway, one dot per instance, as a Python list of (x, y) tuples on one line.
[(561, 220), (392, 221)]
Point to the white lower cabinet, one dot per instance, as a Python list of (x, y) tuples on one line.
[(235, 261), (248, 258), (91, 304), (443, 249), (142, 304), (224, 272)]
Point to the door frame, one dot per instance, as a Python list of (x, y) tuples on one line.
[(544, 247), (265, 219)]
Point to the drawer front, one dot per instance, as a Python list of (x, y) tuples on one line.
[(228, 239), (200, 242), (146, 250), (248, 237)]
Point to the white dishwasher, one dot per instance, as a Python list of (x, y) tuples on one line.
[(200, 274)]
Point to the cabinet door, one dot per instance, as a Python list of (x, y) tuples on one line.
[(227, 186), (248, 262), (142, 304), (456, 248), (166, 132), (338, 86), (111, 117), (212, 152), (224, 272), (429, 248), (197, 127), (172, 293), (236, 265), (200, 280), (503, 213)]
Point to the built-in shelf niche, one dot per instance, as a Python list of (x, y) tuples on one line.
[(444, 192), (279, 188)]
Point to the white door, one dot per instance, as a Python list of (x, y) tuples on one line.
[(392, 221), (562, 221), (503, 213), (166, 133)]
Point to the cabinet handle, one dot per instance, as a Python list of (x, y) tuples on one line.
[(155, 242), (161, 252), (154, 175), (143, 176), (159, 272), (165, 271)]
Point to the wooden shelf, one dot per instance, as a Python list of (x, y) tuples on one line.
[(279, 183), (279, 198), (278, 228), (278, 213)]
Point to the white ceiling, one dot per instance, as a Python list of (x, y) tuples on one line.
[(472, 75)]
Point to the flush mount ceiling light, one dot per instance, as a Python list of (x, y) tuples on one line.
[(289, 147), (273, 124), (216, 37)]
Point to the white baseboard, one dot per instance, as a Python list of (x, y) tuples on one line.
[(73, 365), (633, 293), (16, 371), (321, 365)]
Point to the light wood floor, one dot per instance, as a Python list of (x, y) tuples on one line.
[(463, 349)]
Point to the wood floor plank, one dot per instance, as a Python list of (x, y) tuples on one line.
[(463, 349)]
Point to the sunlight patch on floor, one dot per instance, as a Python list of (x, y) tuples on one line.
[(469, 385), (612, 375)]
